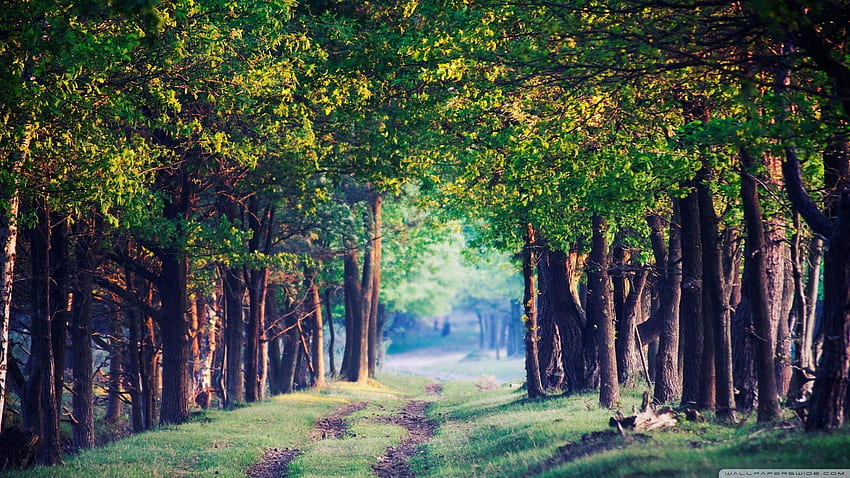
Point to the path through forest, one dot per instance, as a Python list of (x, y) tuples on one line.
[(393, 464)]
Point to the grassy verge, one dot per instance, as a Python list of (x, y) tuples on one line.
[(501, 434)]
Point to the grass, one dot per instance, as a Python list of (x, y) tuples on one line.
[(501, 434), (497, 433), (214, 443)]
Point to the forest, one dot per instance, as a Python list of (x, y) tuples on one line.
[(200, 198)]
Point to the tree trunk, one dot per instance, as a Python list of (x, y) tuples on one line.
[(600, 314), (60, 297), (625, 313), (829, 402), (9, 208), (690, 308), (534, 386), (768, 405), (375, 334), (174, 332), (743, 334), (317, 349), (151, 357), (667, 382), (715, 305), (805, 306), (357, 348), (574, 325), (254, 378), (135, 326), (291, 345), (332, 371), (261, 226), (114, 404), (549, 308), (234, 287), (40, 407)]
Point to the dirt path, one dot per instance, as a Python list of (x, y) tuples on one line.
[(275, 462), (394, 463), (333, 425)]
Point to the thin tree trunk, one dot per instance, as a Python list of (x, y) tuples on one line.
[(534, 386), (261, 226), (114, 403), (60, 297), (317, 349), (805, 360), (135, 325), (9, 208), (332, 371), (375, 333)]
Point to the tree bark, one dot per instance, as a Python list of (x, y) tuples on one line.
[(375, 334), (600, 314), (667, 382), (715, 306), (690, 308), (551, 286), (317, 349), (234, 287), (357, 347), (114, 404), (829, 402), (332, 371), (9, 208), (40, 407), (254, 376), (534, 385), (257, 278), (768, 405), (805, 311), (174, 332)]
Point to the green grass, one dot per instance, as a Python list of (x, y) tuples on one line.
[(496, 433), (501, 434), (215, 443)]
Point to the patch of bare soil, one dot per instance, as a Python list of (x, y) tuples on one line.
[(333, 425), (590, 444), (434, 388), (275, 463), (419, 430)]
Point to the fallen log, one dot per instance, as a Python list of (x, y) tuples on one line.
[(647, 419)]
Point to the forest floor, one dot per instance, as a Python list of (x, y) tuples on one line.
[(405, 426), (443, 407)]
